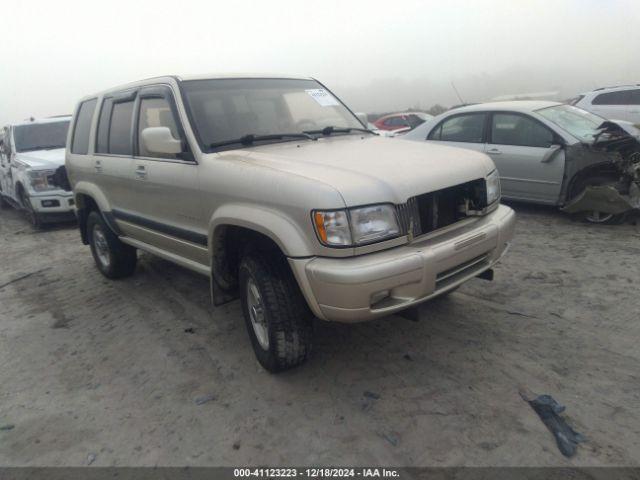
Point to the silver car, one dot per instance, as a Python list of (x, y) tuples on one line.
[(548, 153)]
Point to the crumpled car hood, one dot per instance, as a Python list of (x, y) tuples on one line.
[(371, 169), (42, 159)]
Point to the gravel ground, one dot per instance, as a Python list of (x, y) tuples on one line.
[(144, 372)]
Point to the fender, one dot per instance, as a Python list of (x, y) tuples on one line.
[(279, 228), (93, 191)]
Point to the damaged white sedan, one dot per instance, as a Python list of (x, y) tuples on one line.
[(550, 153)]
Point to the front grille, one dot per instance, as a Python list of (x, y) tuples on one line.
[(409, 217), (434, 210)]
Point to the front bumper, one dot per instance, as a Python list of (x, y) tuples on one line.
[(57, 202), (369, 286), (53, 205)]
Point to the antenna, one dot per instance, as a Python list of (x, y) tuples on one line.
[(457, 94)]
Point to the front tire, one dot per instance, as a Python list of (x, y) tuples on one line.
[(113, 258), (32, 215), (594, 216), (278, 319)]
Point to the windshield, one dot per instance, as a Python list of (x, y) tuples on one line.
[(40, 136), (579, 123), (223, 110)]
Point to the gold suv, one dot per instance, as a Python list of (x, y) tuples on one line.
[(275, 190)]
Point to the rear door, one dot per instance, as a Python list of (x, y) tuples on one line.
[(525, 151), (114, 149), (464, 130), (167, 207)]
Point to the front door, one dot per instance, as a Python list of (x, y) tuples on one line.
[(526, 154), (166, 185), (6, 173)]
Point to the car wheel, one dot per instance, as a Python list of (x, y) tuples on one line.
[(3, 203), (276, 314), (113, 258), (32, 215), (596, 216)]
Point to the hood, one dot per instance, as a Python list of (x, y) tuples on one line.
[(42, 159), (371, 169), (620, 127)]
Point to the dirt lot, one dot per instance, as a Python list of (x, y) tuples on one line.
[(111, 373)]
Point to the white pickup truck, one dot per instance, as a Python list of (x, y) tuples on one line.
[(30, 153)]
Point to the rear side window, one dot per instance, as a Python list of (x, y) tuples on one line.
[(114, 128), (120, 128), (156, 112), (511, 129), (467, 128), (80, 141), (613, 98)]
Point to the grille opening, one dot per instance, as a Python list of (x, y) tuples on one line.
[(434, 210)]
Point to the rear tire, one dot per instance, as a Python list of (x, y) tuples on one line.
[(278, 319), (3, 203), (597, 217), (113, 258)]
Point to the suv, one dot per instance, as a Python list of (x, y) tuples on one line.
[(272, 189), (30, 154), (615, 103)]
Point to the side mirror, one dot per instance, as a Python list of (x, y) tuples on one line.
[(160, 140), (363, 117), (551, 153)]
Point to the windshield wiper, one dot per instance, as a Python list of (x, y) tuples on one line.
[(251, 139), (326, 131)]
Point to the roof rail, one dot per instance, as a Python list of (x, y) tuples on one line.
[(617, 86)]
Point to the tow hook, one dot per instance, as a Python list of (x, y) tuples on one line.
[(486, 275)]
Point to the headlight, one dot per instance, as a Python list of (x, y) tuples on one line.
[(333, 228), (356, 226), (493, 187), (39, 180)]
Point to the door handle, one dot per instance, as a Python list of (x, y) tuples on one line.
[(141, 172), (494, 151), (98, 166)]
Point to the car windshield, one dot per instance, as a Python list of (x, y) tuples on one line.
[(579, 123), (223, 110), (40, 136)]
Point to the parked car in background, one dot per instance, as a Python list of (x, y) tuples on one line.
[(614, 103), (549, 153), (273, 189), (30, 153), (384, 133), (401, 121)]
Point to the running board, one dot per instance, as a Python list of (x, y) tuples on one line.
[(183, 262)]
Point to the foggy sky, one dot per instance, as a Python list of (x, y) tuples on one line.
[(377, 56)]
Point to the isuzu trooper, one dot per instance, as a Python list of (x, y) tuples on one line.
[(272, 188)]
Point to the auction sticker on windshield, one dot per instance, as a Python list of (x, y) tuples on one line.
[(323, 97)]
